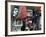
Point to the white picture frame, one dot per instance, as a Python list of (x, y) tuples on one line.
[(8, 24)]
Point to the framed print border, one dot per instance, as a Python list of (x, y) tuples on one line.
[(6, 18)]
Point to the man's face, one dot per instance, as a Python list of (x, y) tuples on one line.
[(15, 12)]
